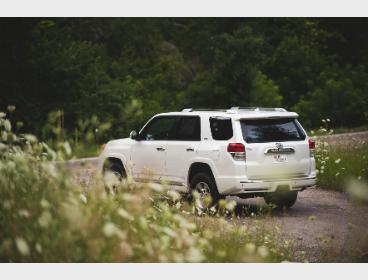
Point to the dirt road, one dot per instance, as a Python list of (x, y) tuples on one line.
[(322, 225)]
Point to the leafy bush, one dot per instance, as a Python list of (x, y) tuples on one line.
[(45, 216)]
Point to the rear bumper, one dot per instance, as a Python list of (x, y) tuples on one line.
[(244, 186)]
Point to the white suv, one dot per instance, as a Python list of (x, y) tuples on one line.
[(244, 152)]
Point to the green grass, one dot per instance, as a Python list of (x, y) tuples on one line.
[(336, 130), (342, 162), (83, 150)]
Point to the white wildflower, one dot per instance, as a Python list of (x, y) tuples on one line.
[(110, 229), (83, 198), (174, 195), (44, 203), (23, 213), (338, 161), (194, 255), (22, 246), (45, 219), (124, 214), (38, 248), (262, 251)]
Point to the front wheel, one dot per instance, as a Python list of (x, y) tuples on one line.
[(113, 176), (281, 199)]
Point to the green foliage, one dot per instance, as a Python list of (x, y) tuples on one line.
[(264, 92), (125, 70), (342, 97)]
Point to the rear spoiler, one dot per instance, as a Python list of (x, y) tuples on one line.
[(268, 115)]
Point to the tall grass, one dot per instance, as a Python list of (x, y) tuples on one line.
[(341, 162), (45, 216)]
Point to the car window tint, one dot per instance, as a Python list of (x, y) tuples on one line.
[(271, 130), (160, 128), (221, 128), (188, 129)]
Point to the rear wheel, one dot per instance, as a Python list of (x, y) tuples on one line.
[(281, 199), (205, 185)]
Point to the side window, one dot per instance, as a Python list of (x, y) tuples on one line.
[(221, 128), (160, 128), (188, 129)]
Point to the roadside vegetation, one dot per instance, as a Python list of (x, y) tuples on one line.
[(342, 162), (47, 216)]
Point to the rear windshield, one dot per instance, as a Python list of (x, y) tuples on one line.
[(271, 130)]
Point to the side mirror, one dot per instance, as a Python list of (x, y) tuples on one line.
[(133, 135)]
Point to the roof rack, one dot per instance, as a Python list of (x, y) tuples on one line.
[(204, 109), (236, 109), (258, 109)]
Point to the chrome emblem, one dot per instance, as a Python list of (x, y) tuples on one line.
[(279, 146)]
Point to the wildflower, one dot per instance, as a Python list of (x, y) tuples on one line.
[(38, 248), (250, 248), (126, 249), (168, 231), (359, 177), (338, 161), (328, 120), (83, 198), (110, 230), (230, 205), (337, 174), (194, 255), (45, 219), (7, 125), (124, 214), (262, 251), (22, 246), (174, 195), (44, 203), (23, 213)]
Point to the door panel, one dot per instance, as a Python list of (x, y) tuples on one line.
[(178, 159), (149, 152), (182, 148), (148, 159)]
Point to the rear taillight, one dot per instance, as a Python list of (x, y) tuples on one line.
[(312, 146), (237, 151)]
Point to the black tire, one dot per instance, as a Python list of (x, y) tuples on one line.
[(281, 199), (210, 182), (118, 170)]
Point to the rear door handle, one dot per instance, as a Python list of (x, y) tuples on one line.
[(190, 149), (160, 149)]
